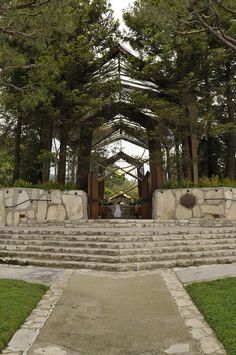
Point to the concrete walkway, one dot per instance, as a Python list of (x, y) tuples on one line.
[(96, 313), (107, 315)]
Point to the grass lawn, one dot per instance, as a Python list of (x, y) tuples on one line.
[(17, 300), (217, 302)]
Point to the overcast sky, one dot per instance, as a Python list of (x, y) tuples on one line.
[(119, 5)]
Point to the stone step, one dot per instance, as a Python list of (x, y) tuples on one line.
[(152, 250), (117, 266), (116, 231), (137, 244), (118, 238), (119, 259)]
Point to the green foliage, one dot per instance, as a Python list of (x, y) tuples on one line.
[(216, 300), (18, 299), (215, 181), (22, 183), (50, 185)]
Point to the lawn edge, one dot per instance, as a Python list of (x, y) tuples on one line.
[(194, 320), (26, 335)]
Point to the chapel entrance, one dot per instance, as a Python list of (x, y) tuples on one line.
[(121, 120)]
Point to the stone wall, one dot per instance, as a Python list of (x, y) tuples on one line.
[(184, 204), (35, 206)]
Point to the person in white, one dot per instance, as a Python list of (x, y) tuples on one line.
[(117, 213)]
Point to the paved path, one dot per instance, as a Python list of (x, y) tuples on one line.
[(30, 273), (205, 272), (95, 313), (108, 315)]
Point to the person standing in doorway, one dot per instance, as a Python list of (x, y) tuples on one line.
[(117, 212)]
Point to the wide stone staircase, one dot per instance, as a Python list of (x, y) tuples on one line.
[(120, 245)]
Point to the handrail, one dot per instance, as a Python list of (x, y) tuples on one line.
[(29, 200), (219, 199)]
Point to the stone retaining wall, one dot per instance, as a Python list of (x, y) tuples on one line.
[(36, 206), (184, 204)]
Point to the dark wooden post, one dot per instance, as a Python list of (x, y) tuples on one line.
[(93, 194), (146, 197)]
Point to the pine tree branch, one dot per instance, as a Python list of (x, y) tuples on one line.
[(17, 88), (30, 4), (217, 33), (231, 11), (13, 32)]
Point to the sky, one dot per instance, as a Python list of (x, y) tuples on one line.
[(119, 5)]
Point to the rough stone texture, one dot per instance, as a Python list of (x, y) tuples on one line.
[(232, 211), (183, 212), (56, 213), (197, 212), (214, 196), (165, 205), (42, 211), (13, 218), (36, 206), (214, 210), (22, 201), (210, 203), (73, 206), (56, 197), (2, 209)]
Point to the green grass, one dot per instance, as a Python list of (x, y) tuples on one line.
[(17, 300), (216, 300)]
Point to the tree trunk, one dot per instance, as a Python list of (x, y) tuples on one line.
[(156, 170), (179, 165), (47, 148), (187, 165), (17, 161), (194, 148), (61, 175), (231, 137), (85, 146)]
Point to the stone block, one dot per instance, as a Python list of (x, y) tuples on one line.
[(214, 197), (2, 209), (232, 211), (214, 210), (31, 215), (199, 195), (165, 205), (74, 206), (178, 194), (13, 218), (228, 194), (56, 213), (56, 197), (197, 212), (9, 202), (42, 211), (22, 201), (183, 212)]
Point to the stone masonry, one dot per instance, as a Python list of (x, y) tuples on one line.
[(36, 206), (184, 204)]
